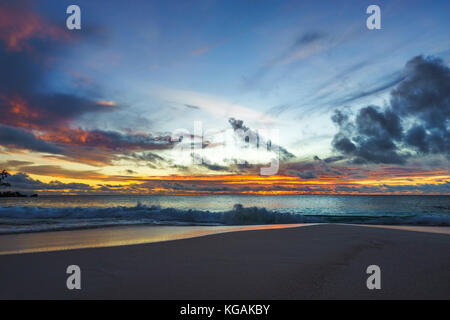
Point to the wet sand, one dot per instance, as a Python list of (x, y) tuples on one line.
[(313, 262), (114, 236)]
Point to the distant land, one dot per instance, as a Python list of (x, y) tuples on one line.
[(15, 194)]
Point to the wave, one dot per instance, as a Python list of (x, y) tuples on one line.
[(33, 219)]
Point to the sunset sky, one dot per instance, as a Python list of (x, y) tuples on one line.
[(195, 97)]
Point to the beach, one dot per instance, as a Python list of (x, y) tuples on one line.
[(325, 261)]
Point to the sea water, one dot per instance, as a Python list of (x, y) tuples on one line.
[(50, 213)]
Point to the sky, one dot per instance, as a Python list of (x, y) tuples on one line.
[(225, 97)]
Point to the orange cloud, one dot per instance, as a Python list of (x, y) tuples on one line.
[(106, 103), (19, 112), (17, 25)]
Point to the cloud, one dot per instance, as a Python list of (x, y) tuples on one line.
[(424, 97), (14, 164), (301, 48), (249, 135), (17, 138), (334, 159), (57, 171), (373, 136), (21, 104), (22, 182), (192, 107), (205, 49), (324, 164), (151, 160), (147, 157), (213, 166), (44, 112), (307, 38), (216, 106), (233, 184), (111, 140), (307, 175), (374, 90), (237, 124), (443, 188), (222, 187), (384, 135), (47, 122), (328, 92), (18, 25)]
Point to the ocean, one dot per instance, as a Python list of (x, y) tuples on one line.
[(52, 213)]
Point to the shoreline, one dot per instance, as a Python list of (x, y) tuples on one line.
[(114, 236), (314, 262), (246, 195), (125, 235)]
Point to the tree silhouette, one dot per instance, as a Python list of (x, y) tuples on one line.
[(3, 175)]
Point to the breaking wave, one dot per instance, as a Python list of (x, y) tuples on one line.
[(33, 219)]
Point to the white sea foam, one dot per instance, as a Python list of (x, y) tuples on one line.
[(33, 219)]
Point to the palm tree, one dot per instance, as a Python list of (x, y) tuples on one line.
[(3, 175)]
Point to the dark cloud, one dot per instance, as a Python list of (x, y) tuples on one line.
[(334, 159), (18, 138), (358, 189), (147, 157), (213, 166), (374, 90), (237, 124), (425, 98), (207, 187), (151, 160), (190, 106), (13, 164), (372, 137), (23, 182), (379, 135), (324, 165), (307, 38), (253, 136), (28, 45), (57, 171), (443, 188), (306, 175), (112, 140), (285, 155), (239, 165)]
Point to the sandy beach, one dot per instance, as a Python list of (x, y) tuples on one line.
[(313, 262)]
